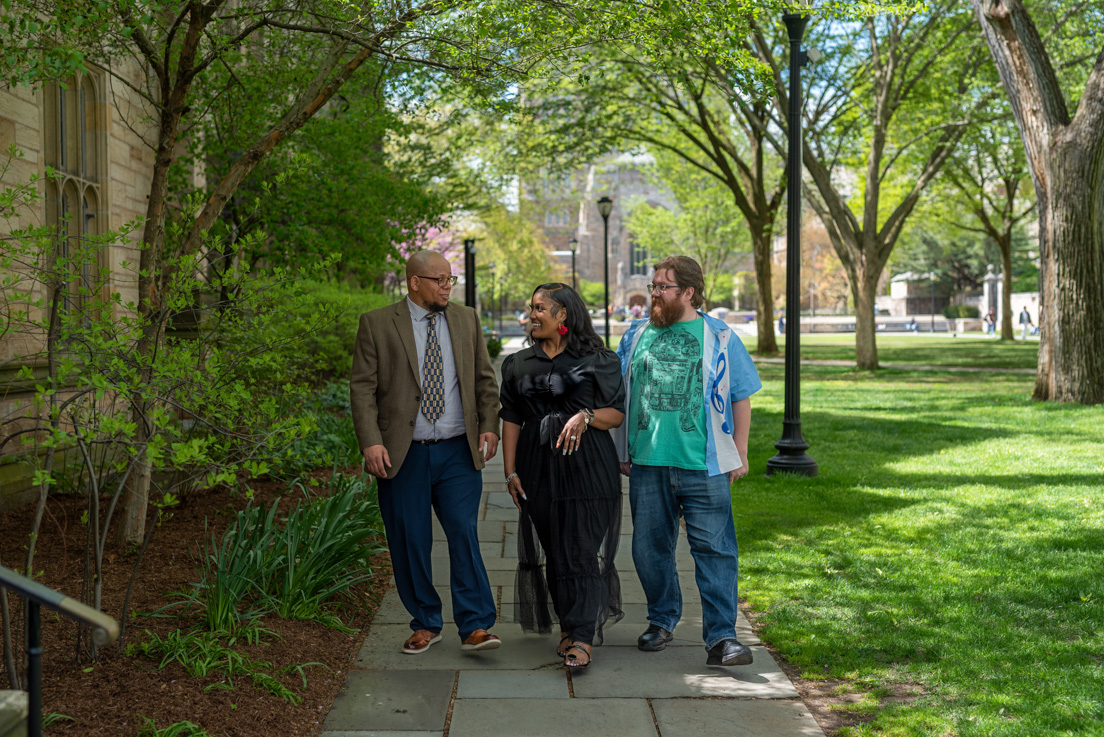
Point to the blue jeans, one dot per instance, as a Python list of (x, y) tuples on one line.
[(437, 478), (658, 495)]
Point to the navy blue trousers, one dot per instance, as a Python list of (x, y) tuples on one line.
[(441, 477)]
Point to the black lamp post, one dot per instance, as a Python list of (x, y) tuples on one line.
[(932, 303), (573, 246), (791, 457), (469, 272), (492, 294), (605, 206)]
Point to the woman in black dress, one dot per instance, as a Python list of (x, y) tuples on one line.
[(560, 397)]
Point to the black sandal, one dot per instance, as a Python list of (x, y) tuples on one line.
[(560, 649), (572, 661)]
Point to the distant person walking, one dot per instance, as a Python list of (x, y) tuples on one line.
[(990, 323), (1025, 323)]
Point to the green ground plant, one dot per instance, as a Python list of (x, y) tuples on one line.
[(949, 554), (202, 654), (290, 565), (179, 729)]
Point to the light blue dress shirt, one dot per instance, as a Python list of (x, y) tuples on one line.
[(451, 423)]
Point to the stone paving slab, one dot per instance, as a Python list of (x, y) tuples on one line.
[(513, 684), (383, 650), (734, 718), (551, 718), (393, 700), (500, 500), (679, 672), (488, 531)]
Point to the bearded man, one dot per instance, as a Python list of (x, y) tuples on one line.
[(689, 380)]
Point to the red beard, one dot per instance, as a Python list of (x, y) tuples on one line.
[(664, 313)]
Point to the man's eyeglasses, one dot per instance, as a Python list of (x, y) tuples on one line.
[(661, 288), (441, 280)]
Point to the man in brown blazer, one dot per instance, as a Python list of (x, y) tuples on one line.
[(425, 409)]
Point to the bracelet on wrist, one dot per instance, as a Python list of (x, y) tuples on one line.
[(511, 477)]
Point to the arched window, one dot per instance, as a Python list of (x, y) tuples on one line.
[(639, 261), (74, 130)]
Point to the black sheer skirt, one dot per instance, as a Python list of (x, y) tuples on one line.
[(568, 532)]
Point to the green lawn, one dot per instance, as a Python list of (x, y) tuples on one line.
[(920, 350), (952, 546)]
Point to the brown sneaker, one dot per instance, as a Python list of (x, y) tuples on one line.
[(420, 641), (481, 640)]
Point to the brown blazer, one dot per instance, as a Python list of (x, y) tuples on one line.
[(385, 388)]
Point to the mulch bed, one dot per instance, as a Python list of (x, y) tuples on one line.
[(106, 697)]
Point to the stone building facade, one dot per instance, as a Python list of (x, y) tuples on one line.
[(566, 207), (91, 131)]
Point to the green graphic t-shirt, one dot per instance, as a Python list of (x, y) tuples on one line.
[(666, 411)]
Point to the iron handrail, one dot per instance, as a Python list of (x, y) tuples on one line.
[(105, 630)]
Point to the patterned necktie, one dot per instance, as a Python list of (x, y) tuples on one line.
[(433, 380)]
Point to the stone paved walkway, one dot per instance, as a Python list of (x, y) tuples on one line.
[(522, 689)]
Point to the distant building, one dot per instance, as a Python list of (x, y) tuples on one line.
[(566, 207), (913, 294)]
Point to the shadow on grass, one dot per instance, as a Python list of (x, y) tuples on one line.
[(875, 441)]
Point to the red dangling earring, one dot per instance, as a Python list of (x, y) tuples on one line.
[(562, 330)]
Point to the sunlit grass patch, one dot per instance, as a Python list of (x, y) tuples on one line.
[(954, 540)]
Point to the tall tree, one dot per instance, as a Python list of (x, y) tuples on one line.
[(888, 104), (1065, 153)]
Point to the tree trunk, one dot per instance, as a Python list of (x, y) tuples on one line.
[(1007, 328), (865, 289), (1066, 157), (1071, 280), (764, 300)]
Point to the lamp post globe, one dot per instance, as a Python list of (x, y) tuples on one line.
[(605, 207), (791, 456)]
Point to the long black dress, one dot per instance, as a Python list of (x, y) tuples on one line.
[(569, 526)]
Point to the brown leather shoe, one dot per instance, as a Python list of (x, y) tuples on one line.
[(481, 640), (420, 641)]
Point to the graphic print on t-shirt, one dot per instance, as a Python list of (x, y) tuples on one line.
[(672, 379)]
